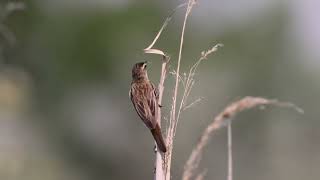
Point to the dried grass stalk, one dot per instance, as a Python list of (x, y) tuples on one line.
[(159, 162), (221, 120), (163, 165)]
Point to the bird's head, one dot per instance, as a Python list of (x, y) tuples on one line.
[(139, 71)]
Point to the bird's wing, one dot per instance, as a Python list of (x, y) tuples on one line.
[(143, 106), (153, 105)]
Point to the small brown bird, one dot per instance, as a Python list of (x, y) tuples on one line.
[(144, 97)]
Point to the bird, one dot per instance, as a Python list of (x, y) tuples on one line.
[(144, 97)]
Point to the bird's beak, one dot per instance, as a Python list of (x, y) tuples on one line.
[(146, 63)]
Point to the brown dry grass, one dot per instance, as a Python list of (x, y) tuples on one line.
[(222, 120)]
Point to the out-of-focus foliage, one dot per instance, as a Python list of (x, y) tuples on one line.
[(64, 107)]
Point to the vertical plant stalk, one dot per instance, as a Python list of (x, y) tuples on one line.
[(159, 163), (173, 120), (163, 164), (159, 173), (230, 161)]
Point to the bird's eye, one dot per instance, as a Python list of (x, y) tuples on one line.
[(144, 66)]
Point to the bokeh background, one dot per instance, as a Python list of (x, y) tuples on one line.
[(65, 72)]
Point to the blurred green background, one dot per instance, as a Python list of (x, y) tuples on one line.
[(65, 72)]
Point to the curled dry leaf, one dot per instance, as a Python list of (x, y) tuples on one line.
[(154, 51)]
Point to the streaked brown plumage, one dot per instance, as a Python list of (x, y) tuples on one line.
[(144, 97)]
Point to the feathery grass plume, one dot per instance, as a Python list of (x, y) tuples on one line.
[(221, 120)]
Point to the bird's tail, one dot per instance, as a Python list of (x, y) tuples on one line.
[(157, 135)]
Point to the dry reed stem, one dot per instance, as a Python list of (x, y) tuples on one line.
[(221, 120), (159, 162), (188, 86), (173, 120)]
